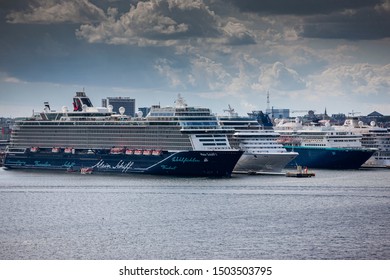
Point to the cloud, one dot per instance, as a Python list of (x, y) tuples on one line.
[(208, 73), (58, 11), (361, 78), (6, 78), (300, 7), (368, 23), (330, 19), (165, 69), (238, 34), (154, 22), (280, 77), (383, 7)]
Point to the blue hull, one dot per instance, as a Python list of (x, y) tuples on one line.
[(329, 158), (183, 163)]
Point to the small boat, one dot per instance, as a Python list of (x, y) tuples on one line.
[(68, 150), (86, 170), (138, 152), (129, 152), (147, 152), (301, 173), (156, 152)]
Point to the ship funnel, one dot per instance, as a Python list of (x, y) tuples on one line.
[(80, 100), (47, 106)]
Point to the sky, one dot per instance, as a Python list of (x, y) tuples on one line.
[(307, 54)]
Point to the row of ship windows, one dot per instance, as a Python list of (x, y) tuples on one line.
[(107, 140), (316, 145), (259, 140), (261, 148), (349, 140), (97, 131), (208, 140), (104, 135)]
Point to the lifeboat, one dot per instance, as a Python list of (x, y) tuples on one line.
[(86, 170), (138, 152), (34, 149), (147, 152), (156, 152), (55, 150), (116, 151), (68, 150), (129, 152)]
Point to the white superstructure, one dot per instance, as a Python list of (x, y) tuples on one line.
[(262, 152), (372, 137), (295, 134)]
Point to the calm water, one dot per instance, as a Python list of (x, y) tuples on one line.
[(335, 215)]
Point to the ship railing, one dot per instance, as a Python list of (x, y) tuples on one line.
[(15, 150), (209, 130)]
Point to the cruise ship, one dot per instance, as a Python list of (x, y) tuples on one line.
[(322, 146), (175, 140), (262, 152), (372, 137)]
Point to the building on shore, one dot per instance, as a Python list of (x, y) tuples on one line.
[(117, 102)]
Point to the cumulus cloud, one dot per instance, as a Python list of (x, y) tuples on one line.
[(58, 11), (358, 78), (164, 68), (208, 73), (280, 77), (238, 34), (154, 22)]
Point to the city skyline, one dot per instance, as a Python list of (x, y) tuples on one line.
[(309, 55)]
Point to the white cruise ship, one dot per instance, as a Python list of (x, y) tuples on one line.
[(372, 137), (262, 152)]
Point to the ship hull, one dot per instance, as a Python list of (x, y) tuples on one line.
[(380, 159), (267, 162), (329, 158), (181, 163)]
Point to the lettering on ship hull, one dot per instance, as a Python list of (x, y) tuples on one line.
[(184, 159), (121, 165)]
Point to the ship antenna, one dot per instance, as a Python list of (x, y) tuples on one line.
[(268, 101)]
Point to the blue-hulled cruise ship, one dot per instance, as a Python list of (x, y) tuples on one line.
[(322, 146), (178, 140)]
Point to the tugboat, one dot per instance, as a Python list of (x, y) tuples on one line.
[(300, 173)]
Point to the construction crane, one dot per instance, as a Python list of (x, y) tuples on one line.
[(231, 111), (353, 113)]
